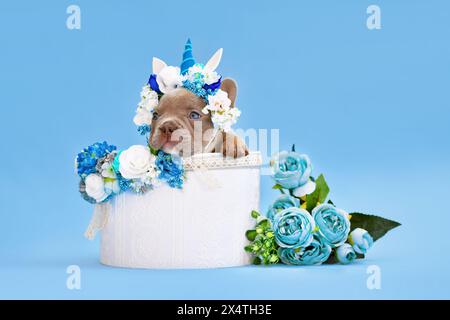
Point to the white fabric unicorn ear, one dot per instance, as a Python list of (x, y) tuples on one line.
[(158, 65), (213, 63)]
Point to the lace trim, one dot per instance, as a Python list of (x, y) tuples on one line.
[(217, 161)]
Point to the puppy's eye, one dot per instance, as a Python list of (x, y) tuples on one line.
[(155, 115), (194, 115)]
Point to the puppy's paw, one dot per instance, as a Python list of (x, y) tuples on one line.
[(233, 146)]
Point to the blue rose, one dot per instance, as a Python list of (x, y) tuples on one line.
[(333, 224), (292, 171), (361, 240), (282, 202), (345, 254), (317, 252), (293, 228)]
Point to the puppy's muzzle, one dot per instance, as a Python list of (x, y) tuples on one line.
[(168, 127)]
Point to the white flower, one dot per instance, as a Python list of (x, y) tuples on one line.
[(218, 102), (148, 104), (149, 101), (147, 92), (225, 120), (345, 254), (211, 76), (112, 186), (142, 117), (144, 111), (136, 162), (169, 78), (194, 71), (107, 171), (360, 240), (95, 187), (223, 115)]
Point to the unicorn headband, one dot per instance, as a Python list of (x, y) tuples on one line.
[(166, 78), (200, 79)]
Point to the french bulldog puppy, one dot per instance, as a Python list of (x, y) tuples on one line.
[(179, 126)]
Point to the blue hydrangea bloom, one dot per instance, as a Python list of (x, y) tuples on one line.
[(197, 87), (144, 129), (87, 159), (171, 169), (124, 184)]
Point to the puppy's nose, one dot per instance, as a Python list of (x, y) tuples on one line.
[(168, 127)]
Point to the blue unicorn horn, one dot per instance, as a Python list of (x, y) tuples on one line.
[(188, 58)]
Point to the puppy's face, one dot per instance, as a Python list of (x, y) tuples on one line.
[(179, 125), (179, 112)]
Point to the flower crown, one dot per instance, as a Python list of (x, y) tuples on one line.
[(200, 79)]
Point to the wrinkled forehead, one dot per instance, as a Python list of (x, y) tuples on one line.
[(179, 99)]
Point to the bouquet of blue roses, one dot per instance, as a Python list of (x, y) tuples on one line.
[(303, 226)]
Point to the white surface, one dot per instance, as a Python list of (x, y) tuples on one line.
[(201, 226)]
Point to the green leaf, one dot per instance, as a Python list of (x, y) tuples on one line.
[(153, 151), (278, 187), (257, 261), (375, 225), (319, 195), (251, 235), (330, 202), (332, 259), (248, 248), (273, 258), (311, 200), (255, 214), (264, 224)]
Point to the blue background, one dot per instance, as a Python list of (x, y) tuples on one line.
[(370, 107)]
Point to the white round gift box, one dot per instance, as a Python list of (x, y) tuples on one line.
[(202, 225)]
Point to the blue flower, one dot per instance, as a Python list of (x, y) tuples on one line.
[(124, 183), (144, 129), (197, 87), (116, 164), (213, 86), (361, 240), (87, 159), (345, 254), (293, 228), (171, 169), (316, 252), (153, 83), (292, 171), (282, 202), (333, 224)]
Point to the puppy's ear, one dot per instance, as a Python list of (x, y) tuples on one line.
[(158, 65), (229, 86)]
